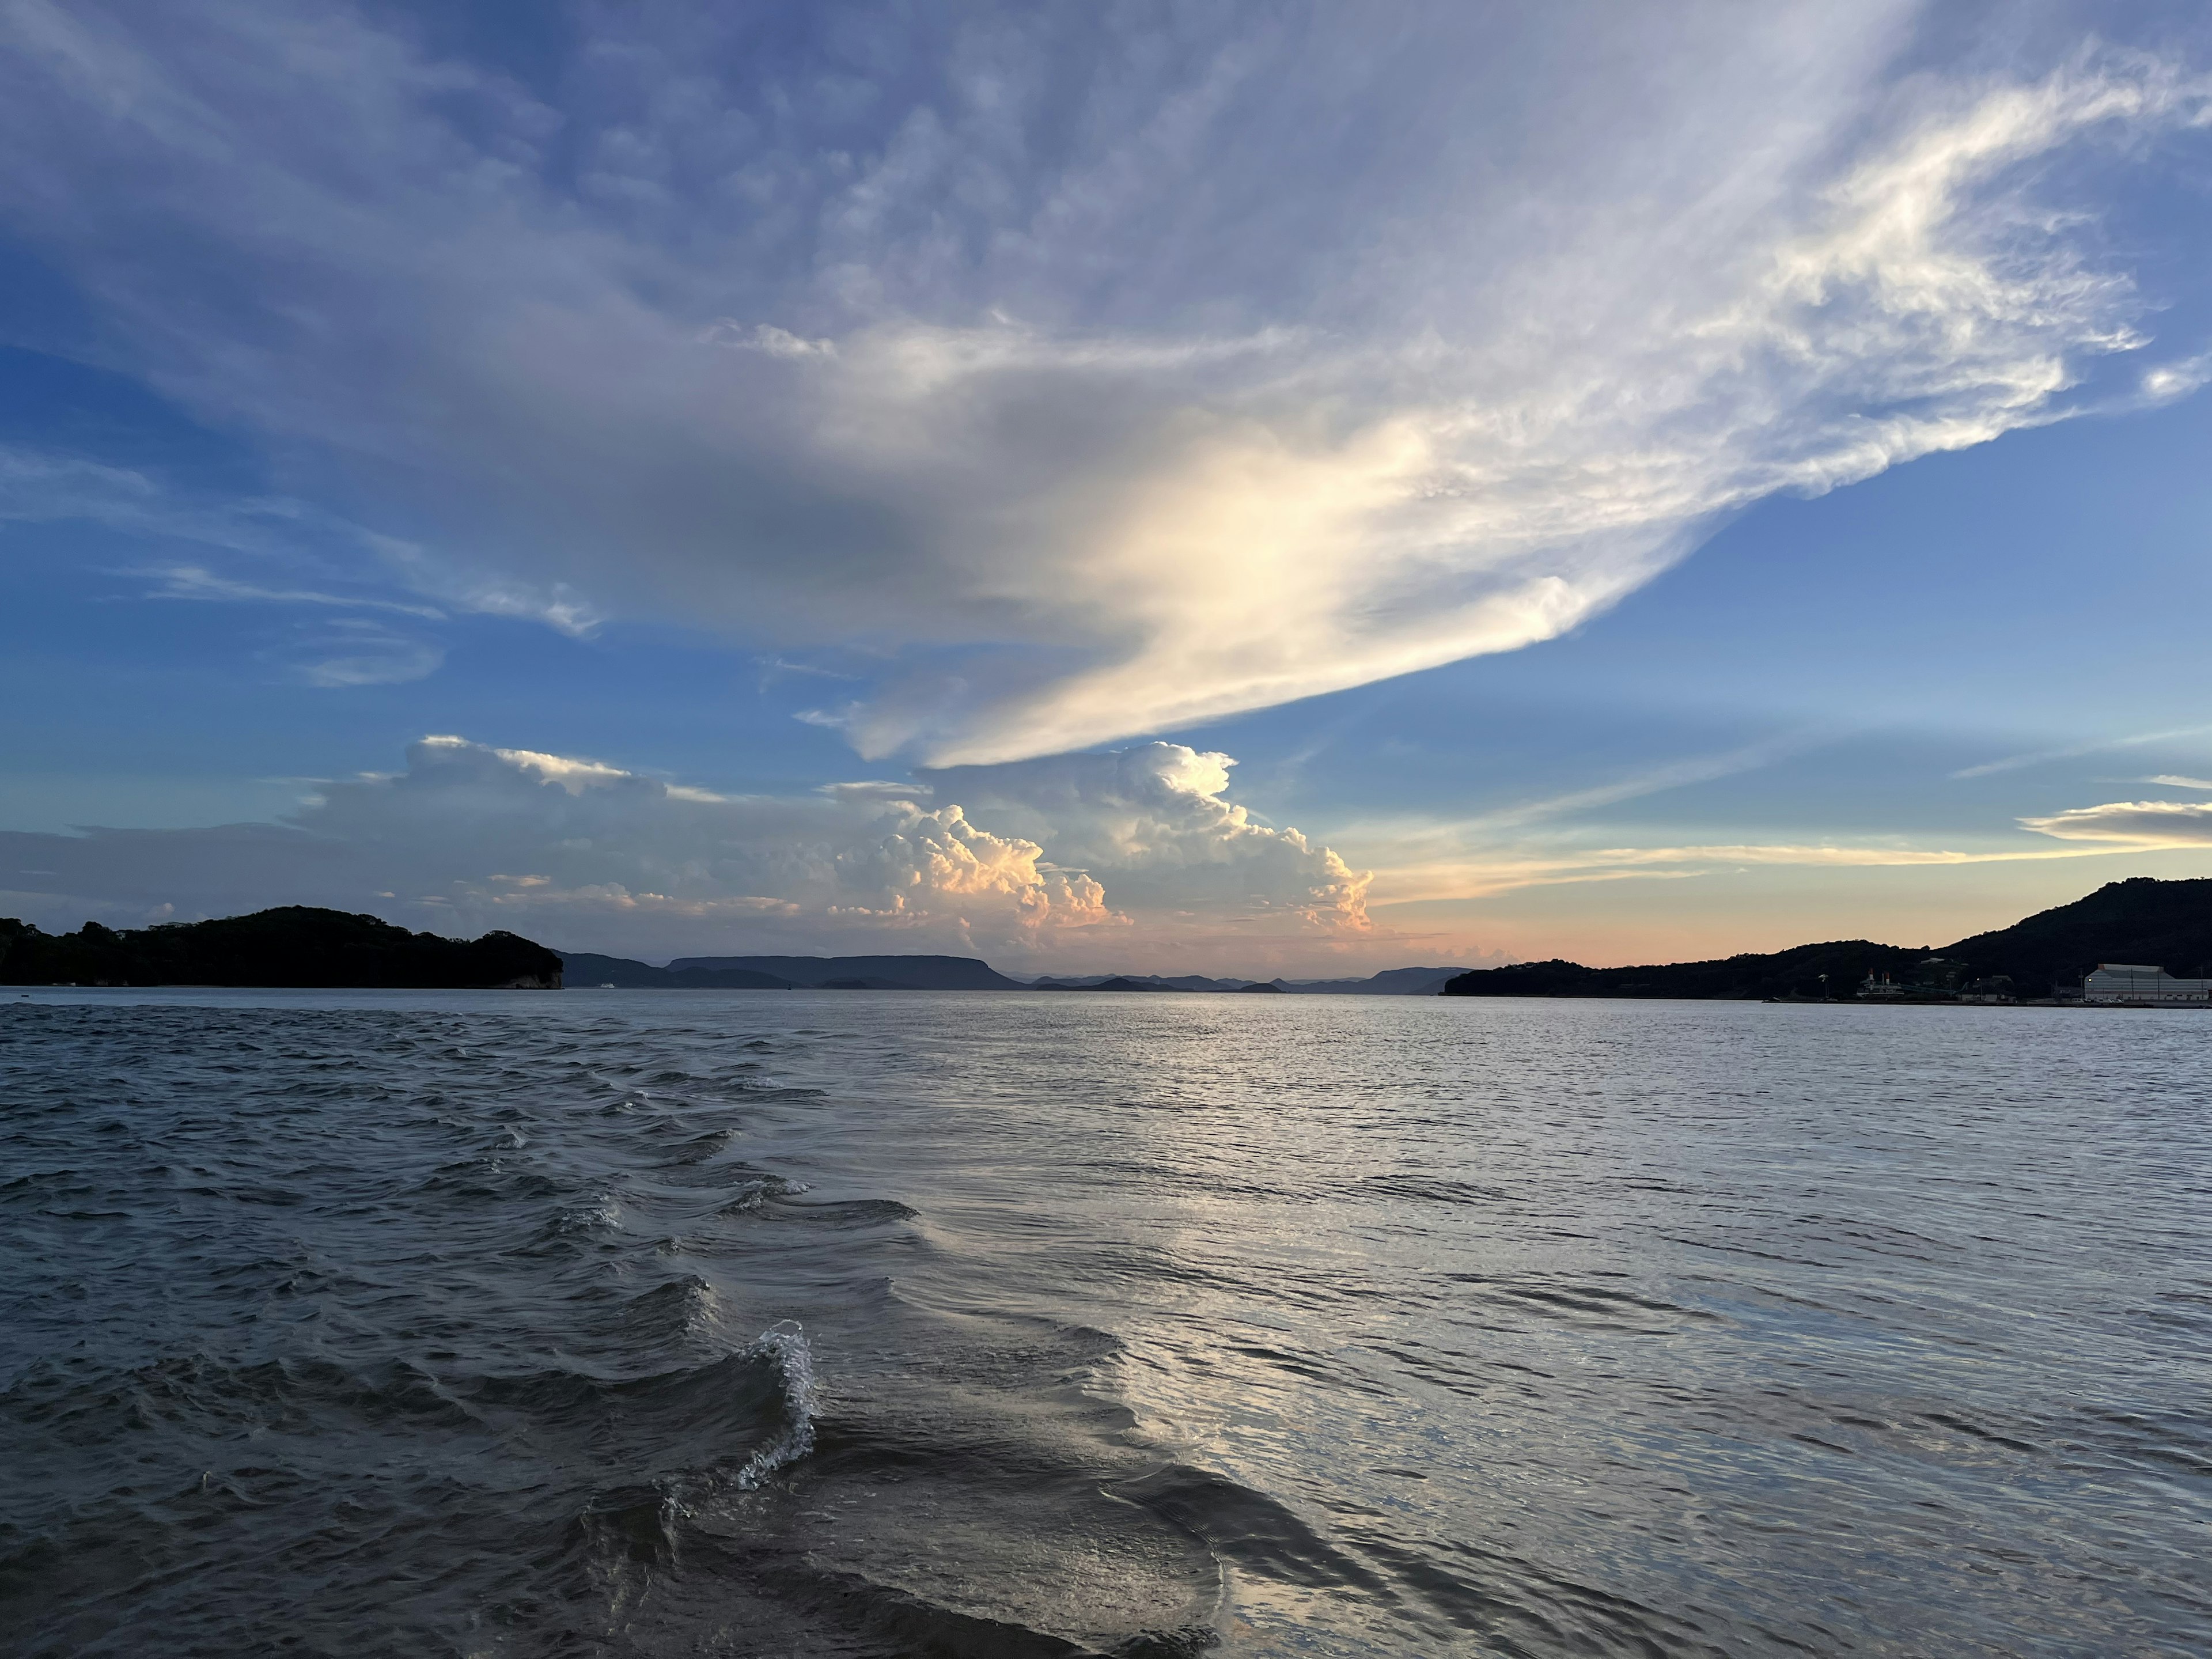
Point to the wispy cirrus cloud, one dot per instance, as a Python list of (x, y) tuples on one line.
[(1652, 780), (1553, 841), (2076, 751), (348, 652), (2144, 824), (192, 582), (1414, 878), (276, 534), (1025, 371)]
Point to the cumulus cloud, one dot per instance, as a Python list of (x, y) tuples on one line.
[(471, 836), (996, 344), (1153, 815), (588, 855), (2146, 823)]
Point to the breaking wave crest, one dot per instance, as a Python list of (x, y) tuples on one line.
[(783, 1345)]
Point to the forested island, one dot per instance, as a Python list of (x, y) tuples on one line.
[(296, 947), (2167, 924)]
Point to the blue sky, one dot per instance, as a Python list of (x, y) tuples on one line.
[(1232, 489)]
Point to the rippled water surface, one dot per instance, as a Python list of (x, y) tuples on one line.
[(874, 1324)]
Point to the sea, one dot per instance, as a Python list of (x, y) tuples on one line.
[(862, 1323)]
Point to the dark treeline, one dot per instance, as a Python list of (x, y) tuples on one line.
[(295, 947), (2167, 924)]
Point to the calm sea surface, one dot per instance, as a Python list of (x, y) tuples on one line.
[(874, 1324)]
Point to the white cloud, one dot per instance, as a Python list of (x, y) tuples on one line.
[(1027, 367), (554, 603), (1425, 860), (1674, 774), (1415, 875), (2143, 824), (357, 651), (193, 582), (587, 855), (41, 487), (2043, 757), (1152, 820)]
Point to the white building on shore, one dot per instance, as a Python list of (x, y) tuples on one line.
[(2128, 982)]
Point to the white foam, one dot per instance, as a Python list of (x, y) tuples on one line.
[(753, 1193), (784, 1345), (602, 1216)]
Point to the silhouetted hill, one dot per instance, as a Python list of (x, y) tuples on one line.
[(1136, 981), (2165, 923), (1390, 982), (1786, 973), (885, 973), (296, 947), (587, 970)]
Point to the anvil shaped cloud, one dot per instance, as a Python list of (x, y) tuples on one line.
[(1099, 372)]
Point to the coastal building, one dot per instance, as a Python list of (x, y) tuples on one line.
[(2134, 982), (1932, 979)]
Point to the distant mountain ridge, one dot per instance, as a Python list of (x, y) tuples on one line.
[(2141, 920), (920, 973), (1391, 982), (917, 973), (587, 968)]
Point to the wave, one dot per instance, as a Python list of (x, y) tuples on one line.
[(753, 1193), (667, 1316), (783, 1345), (846, 1212)]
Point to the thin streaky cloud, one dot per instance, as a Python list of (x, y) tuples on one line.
[(2103, 745), (191, 582), (40, 487), (1476, 876), (349, 655), (2144, 824), (1675, 775)]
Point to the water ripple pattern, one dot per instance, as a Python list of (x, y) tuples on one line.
[(869, 1324)]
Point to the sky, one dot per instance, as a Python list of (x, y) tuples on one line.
[(1149, 487)]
